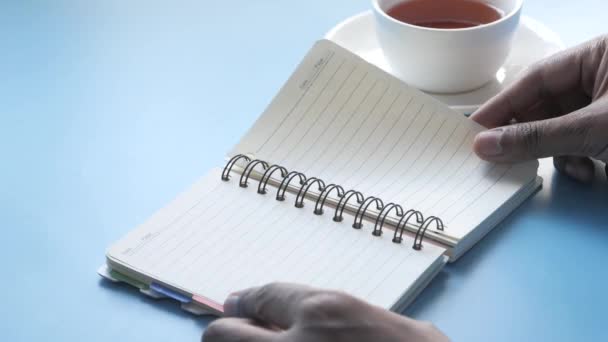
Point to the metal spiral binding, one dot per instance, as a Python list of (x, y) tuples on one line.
[(344, 200), (247, 172), (323, 197), (358, 224), (230, 165), (364, 203), (382, 217), (398, 237), (422, 230), (304, 189), (285, 183), (266, 177)]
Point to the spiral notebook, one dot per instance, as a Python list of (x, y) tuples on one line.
[(350, 180)]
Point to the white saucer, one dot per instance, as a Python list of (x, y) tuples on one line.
[(533, 41)]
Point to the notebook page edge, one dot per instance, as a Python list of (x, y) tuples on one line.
[(494, 220), (410, 296)]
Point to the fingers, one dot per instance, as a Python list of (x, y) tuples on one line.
[(237, 330), (552, 87), (274, 304), (581, 169), (577, 134)]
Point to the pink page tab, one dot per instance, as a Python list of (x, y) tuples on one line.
[(208, 303)]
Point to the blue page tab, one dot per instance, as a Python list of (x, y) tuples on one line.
[(170, 293)]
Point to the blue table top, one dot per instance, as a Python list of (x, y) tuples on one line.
[(110, 108)]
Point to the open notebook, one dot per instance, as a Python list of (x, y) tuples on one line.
[(350, 180)]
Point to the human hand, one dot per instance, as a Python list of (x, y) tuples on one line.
[(293, 313), (561, 110)]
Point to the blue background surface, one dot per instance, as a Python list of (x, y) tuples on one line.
[(108, 109)]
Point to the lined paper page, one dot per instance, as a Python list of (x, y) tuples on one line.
[(218, 238), (345, 121)]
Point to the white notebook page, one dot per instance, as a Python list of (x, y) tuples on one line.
[(345, 121), (218, 238)]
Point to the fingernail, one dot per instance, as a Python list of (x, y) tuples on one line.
[(488, 142), (231, 306)]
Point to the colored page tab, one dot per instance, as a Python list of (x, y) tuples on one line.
[(125, 279), (208, 303), (170, 293)]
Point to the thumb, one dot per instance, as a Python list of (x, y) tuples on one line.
[(275, 304), (564, 135)]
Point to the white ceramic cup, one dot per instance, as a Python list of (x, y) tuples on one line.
[(446, 60)]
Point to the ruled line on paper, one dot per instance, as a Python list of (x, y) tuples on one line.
[(428, 166), (403, 155), (189, 231), (164, 228), (392, 149), (302, 117), (384, 137), (441, 185), (201, 244), (434, 174), (240, 244), (332, 121), (318, 71), (322, 112), (493, 182), (410, 164), (451, 192), (349, 142), (337, 151)]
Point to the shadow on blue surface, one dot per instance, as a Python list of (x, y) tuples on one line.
[(585, 204), (557, 201)]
